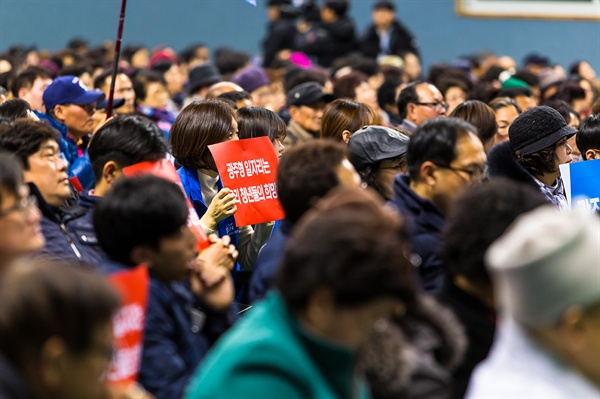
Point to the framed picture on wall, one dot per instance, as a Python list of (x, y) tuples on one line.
[(530, 9)]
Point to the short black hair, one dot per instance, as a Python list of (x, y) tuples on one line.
[(407, 96), (232, 97), (127, 140), (25, 137), (435, 141), (477, 218), (258, 122), (384, 5), (515, 92), (138, 211), (27, 77), (101, 80), (350, 244), (14, 109), (306, 173), (386, 94), (588, 136), (11, 175), (143, 79), (339, 7)]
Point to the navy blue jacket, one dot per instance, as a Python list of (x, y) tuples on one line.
[(426, 222), (177, 334), (12, 384), (66, 232), (85, 226), (268, 261)]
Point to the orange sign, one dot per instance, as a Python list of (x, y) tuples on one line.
[(128, 323), (249, 168), (165, 169)]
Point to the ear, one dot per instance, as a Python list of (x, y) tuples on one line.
[(590, 154), (142, 254), (410, 110), (320, 306), (23, 92), (293, 110), (346, 134), (111, 173), (427, 173), (59, 112), (53, 357)]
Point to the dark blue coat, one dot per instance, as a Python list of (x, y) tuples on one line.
[(177, 334), (67, 232), (426, 222), (268, 261)]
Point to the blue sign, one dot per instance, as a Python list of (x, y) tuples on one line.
[(582, 184)]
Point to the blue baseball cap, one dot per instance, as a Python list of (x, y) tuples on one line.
[(69, 90)]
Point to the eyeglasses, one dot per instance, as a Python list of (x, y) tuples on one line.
[(23, 205), (89, 108), (475, 175), (437, 106)]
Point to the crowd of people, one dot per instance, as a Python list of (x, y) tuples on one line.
[(428, 248)]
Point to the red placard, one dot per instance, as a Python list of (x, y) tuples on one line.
[(165, 169), (249, 168), (128, 324)]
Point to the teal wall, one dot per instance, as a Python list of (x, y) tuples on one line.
[(441, 33)]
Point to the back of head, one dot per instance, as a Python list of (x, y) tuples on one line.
[(24, 139), (435, 141), (259, 122), (528, 265), (344, 87), (358, 250), (339, 7), (343, 114), (477, 218), (126, 140), (588, 137), (306, 173), (138, 211), (480, 115), (197, 126), (44, 299)]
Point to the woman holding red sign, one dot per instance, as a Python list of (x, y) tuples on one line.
[(200, 124)]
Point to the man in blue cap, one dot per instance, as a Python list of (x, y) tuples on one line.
[(69, 109)]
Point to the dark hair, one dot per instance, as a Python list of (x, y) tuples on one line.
[(540, 162), (232, 97), (11, 175), (345, 86), (569, 91), (588, 136), (528, 77), (386, 94), (477, 218), (197, 126), (162, 66), (435, 141), (480, 115), (101, 80), (445, 84), (42, 299), (126, 140), (26, 78), (130, 50), (138, 211), (408, 95), (366, 65), (563, 108), (503, 102), (25, 137), (298, 76), (339, 7), (306, 173), (14, 109), (358, 250), (384, 5), (142, 80), (76, 70), (189, 53), (229, 61), (343, 114), (258, 122)]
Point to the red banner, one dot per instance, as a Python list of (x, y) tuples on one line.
[(128, 324), (165, 169), (249, 168)]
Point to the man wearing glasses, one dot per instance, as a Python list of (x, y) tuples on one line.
[(444, 157), (70, 108), (419, 102)]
